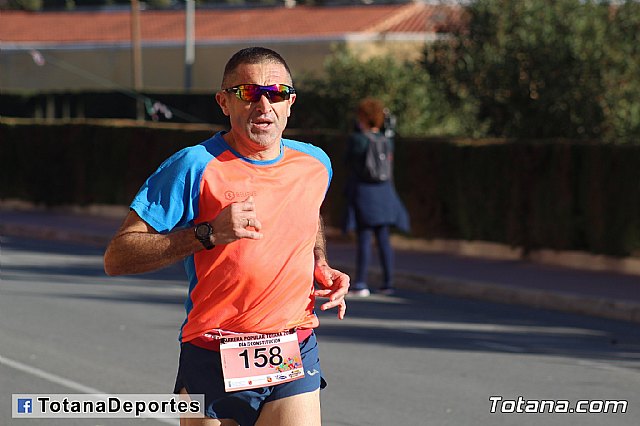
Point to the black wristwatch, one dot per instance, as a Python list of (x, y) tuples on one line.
[(203, 232)]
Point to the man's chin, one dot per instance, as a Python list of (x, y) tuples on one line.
[(265, 139)]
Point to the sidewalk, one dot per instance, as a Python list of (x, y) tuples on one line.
[(603, 294)]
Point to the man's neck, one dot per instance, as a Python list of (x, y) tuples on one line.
[(253, 150)]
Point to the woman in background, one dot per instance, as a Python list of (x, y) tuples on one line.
[(373, 204)]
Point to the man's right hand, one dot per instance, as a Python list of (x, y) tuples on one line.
[(138, 248), (237, 221)]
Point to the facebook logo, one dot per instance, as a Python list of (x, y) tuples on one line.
[(25, 405)]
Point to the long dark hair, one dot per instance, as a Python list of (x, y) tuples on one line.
[(371, 112)]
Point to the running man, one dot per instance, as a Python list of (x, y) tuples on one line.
[(243, 210)]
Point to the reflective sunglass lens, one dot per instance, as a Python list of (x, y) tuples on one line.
[(249, 92), (253, 92), (275, 96)]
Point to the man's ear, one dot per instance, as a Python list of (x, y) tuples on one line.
[(292, 99), (222, 101)]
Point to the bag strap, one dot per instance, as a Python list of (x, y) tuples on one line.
[(376, 136)]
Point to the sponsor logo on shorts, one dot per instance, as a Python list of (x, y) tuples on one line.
[(295, 373)]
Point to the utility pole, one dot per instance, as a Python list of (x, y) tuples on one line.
[(136, 57), (189, 39)]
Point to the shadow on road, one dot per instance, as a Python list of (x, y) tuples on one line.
[(418, 320), (409, 320)]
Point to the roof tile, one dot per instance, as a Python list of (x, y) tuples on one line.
[(222, 24)]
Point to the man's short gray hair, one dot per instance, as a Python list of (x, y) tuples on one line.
[(253, 55)]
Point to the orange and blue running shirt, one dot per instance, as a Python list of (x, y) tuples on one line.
[(247, 286)]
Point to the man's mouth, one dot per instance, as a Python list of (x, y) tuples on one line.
[(261, 123)]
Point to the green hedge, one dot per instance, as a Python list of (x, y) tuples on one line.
[(535, 194), (83, 163), (559, 195)]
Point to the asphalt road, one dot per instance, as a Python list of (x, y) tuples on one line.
[(414, 359)]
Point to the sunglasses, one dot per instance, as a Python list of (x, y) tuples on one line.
[(253, 92)]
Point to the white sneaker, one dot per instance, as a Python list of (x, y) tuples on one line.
[(363, 292)]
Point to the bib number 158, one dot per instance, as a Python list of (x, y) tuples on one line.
[(261, 358), (255, 360)]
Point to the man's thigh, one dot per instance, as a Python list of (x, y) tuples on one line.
[(298, 410), (205, 421)]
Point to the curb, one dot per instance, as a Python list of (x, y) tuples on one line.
[(541, 299), (615, 309)]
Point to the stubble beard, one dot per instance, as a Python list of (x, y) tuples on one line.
[(266, 138)]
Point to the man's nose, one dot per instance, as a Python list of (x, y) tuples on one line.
[(264, 103)]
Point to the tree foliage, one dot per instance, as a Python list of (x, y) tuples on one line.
[(22, 4), (403, 87), (622, 73), (545, 68)]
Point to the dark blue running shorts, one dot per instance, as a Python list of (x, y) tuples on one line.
[(200, 372)]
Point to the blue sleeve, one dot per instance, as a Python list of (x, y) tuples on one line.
[(169, 198)]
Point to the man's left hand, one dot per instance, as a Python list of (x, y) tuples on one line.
[(336, 287)]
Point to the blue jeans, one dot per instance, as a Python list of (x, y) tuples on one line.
[(363, 256)]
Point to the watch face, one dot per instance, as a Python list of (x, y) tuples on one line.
[(203, 230)]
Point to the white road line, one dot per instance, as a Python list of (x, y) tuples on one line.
[(59, 380), (16, 365)]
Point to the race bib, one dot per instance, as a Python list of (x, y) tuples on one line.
[(257, 360)]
